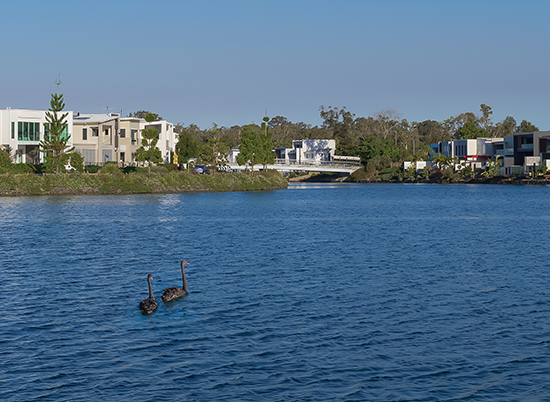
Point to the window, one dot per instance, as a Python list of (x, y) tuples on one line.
[(12, 130), (26, 131), (95, 132), (122, 133), (84, 134), (122, 157)]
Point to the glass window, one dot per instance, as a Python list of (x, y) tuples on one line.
[(84, 134), (122, 133), (25, 131), (95, 132), (12, 130)]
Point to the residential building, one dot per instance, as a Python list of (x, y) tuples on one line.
[(471, 152), (167, 137), (98, 137), (531, 148), (307, 152), (95, 137), (22, 130)]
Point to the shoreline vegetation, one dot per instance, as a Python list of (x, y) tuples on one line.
[(433, 179), (137, 183)]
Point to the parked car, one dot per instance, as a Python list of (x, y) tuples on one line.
[(201, 169)]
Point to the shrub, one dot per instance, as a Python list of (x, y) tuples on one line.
[(169, 166), (110, 167), (5, 159), (159, 169), (92, 168)]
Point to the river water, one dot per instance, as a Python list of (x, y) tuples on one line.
[(320, 292)]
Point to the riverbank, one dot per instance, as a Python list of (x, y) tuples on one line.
[(332, 178), (137, 183)]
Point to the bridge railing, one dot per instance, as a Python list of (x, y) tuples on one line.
[(347, 164)]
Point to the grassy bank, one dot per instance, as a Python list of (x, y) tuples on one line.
[(136, 183)]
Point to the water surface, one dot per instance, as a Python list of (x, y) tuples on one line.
[(318, 292)]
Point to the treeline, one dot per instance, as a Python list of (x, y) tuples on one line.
[(384, 134)]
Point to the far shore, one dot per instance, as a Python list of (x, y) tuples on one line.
[(323, 178)]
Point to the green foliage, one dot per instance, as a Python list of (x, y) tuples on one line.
[(491, 167), (159, 169), (372, 147), (93, 168), (110, 168), (266, 155), (108, 183), (341, 123), (169, 166), (5, 159), (55, 141), (470, 131), (75, 159), (527, 127), (188, 146), (249, 150), (145, 114), (149, 152), (467, 171), (150, 117)]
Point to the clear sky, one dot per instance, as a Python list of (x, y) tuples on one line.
[(227, 61)]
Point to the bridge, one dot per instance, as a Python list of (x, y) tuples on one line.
[(322, 166)]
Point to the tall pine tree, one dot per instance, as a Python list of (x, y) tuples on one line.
[(56, 137)]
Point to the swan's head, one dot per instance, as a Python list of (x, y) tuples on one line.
[(149, 277), (184, 262)]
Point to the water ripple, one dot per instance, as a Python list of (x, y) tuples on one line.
[(339, 292)]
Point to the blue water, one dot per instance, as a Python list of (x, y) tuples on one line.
[(314, 293)]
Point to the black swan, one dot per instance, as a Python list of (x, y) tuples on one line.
[(147, 306), (175, 293)]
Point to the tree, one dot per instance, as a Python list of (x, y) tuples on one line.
[(187, 147), (430, 132), (505, 128), (149, 152), (372, 147), (491, 167), (56, 137), (441, 160), (249, 149), (387, 121), (527, 127), (266, 154), (470, 131), (342, 123), (485, 119), (141, 114)]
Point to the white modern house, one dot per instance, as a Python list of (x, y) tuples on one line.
[(21, 130), (308, 152)]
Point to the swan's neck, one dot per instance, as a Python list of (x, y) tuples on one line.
[(184, 286), (150, 290)]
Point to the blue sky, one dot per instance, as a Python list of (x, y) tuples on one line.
[(226, 62)]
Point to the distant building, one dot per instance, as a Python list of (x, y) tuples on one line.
[(98, 137), (307, 152)]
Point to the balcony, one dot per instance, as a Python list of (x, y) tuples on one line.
[(525, 147)]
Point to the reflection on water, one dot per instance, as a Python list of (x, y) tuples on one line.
[(318, 292)]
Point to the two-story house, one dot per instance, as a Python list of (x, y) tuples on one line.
[(21, 131)]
